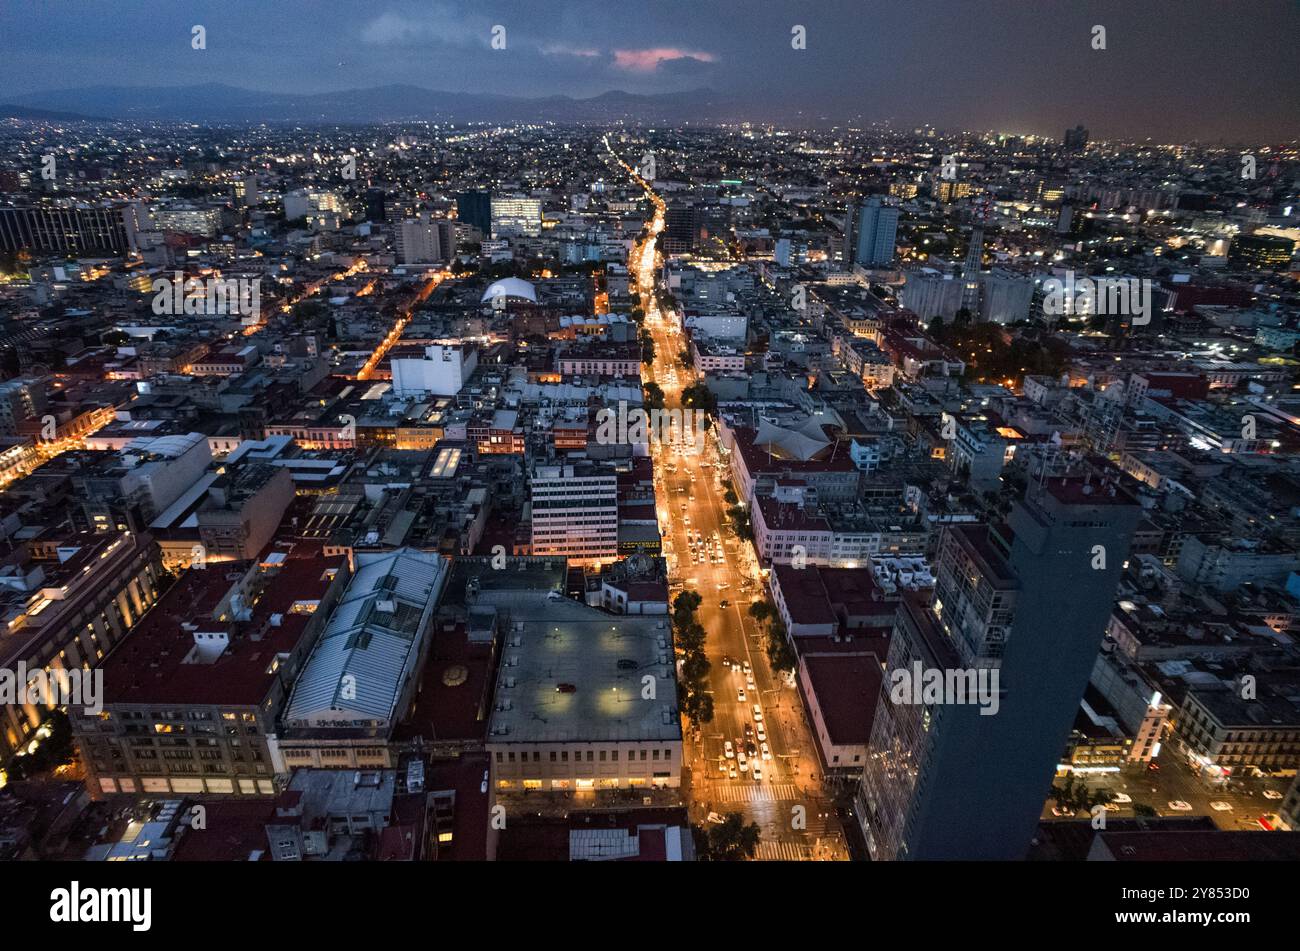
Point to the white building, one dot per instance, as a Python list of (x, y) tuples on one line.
[(442, 371), (516, 215), (305, 201)]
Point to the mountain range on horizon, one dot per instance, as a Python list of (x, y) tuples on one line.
[(222, 103)]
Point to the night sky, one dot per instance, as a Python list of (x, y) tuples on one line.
[(1173, 69)]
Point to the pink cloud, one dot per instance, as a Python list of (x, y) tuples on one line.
[(648, 60)]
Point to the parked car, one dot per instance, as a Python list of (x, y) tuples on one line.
[(1177, 805)]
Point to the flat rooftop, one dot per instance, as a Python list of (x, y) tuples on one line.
[(550, 641)]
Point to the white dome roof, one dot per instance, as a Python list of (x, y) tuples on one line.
[(510, 287)]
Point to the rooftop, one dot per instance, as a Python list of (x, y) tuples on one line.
[(552, 641)]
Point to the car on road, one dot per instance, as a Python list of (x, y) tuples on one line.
[(1178, 805), (767, 753), (761, 734), (749, 730), (1272, 794), (1122, 799), (742, 762), (758, 713), (740, 695), (1060, 811), (745, 665), (731, 773), (758, 772), (728, 751), (724, 603), (715, 818), (1220, 806)]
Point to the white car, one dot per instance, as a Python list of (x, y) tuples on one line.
[(1122, 799), (760, 733), (731, 773), (1220, 806), (767, 753), (1177, 805), (728, 751), (758, 713), (1272, 794), (758, 771), (742, 761), (740, 695)]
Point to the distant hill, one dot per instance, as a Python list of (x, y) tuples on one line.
[(22, 112), (221, 103)]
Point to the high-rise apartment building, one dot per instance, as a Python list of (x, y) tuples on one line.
[(575, 512), (1021, 608), (870, 233), (425, 240)]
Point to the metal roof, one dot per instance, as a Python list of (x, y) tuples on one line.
[(372, 639)]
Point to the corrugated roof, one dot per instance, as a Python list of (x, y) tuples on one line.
[(357, 668)]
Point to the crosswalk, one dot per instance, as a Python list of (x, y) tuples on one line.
[(782, 852), (771, 792)]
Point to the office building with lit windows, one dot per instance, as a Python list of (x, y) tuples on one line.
[(192, 695), (575, 513), (66, 606)]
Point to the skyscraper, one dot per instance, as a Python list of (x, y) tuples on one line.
[(475, 209), (869, 234), (1075, 139), (947, 779)]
